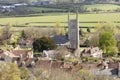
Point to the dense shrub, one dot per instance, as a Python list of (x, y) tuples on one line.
[(44, 43)]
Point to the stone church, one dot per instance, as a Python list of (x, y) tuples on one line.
[(73, 34)]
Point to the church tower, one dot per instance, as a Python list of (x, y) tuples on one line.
[(73, 31), (68, 25), (77, 30)]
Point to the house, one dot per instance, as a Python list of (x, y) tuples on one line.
[(19, 57), (44, 2), (52, 54), (8, 7), (92, 51), (49, 54), (9, 56), (20, 4), (23, 54), (26, 42), (15, 55)]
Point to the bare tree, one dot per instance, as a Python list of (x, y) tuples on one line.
[(38, 32), (5, 34)]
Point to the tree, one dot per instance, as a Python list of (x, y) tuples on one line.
[(32, 32), (58, 29), (23, 35), (101, 27), (108, 43), (9, 71), (5, 35), (80, 32), (22, 1), (67, 1), (88, 30), (26, 74), (85, 75), (87, 43), (94, 39), (44, 43)]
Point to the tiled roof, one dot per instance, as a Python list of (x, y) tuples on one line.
[(23, 52), (47, 64)]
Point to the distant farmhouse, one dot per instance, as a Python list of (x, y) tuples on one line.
[(4, 6), (44, 2)]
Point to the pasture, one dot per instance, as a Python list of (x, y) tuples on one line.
[(87, 20), (104, 7)]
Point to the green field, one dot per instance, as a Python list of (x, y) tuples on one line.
[(50, 19), (86, 19), (103, 7)]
